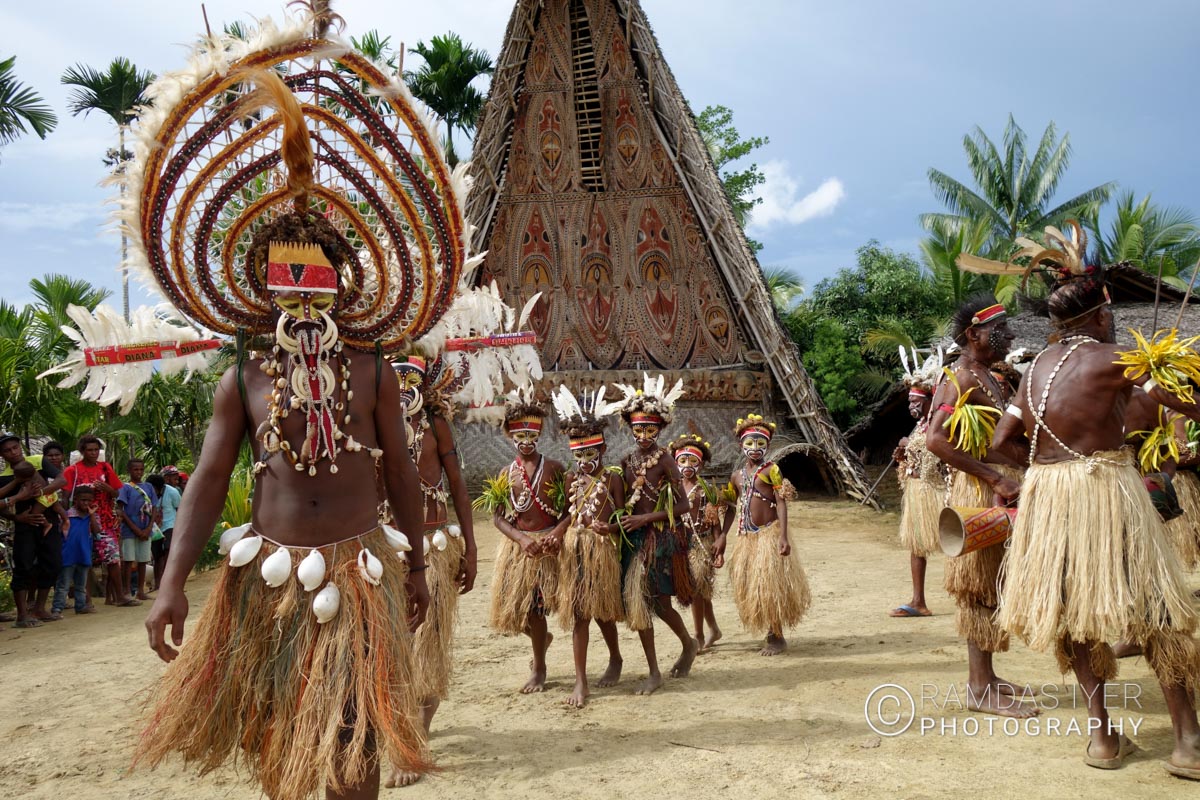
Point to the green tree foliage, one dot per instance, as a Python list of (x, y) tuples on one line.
[(1012, 188), (834, 362), (22, 110), (726, 146), (1149, 236), (445, 83)]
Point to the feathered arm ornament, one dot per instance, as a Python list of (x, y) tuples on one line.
[(970, 426), (1169, 361), (1159, 445)]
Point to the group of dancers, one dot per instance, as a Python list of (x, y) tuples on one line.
[(1082, 441)]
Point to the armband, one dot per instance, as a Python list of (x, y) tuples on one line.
[(949, 409), (1149, 386), (1012, 410)]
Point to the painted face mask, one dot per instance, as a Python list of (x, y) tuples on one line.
[(411, 374), (587, 459), (688, 463), (754, 446), (646, 433), (302, 280), (525, 436)]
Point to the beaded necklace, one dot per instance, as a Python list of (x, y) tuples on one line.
[(639, 467), (586, 500), (697, 499), (529, 496), (995, 397), (750, 491), (1039, 420)]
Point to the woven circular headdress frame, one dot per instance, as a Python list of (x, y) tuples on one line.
[(208, 174)]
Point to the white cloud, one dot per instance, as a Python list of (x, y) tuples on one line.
[(783, 204), (21, 217)]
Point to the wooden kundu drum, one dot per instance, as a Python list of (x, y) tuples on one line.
[(965, 530)]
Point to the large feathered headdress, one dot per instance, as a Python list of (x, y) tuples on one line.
[(582, 422), (213, 165), (1062, 256), (921, 377), (652, 403)]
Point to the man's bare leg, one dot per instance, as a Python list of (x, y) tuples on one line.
[(402, 777), (714, 632), (654, 680), (367, 790), (987, 693), (698, 622), (24, 619), (39, 606), (608, 629), (1127, 649), (1103, 743), (540, 637), (579, 645), (142, 568), (1182, 707), (916, 566), (667, 613)]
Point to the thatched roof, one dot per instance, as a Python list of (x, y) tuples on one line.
[(675, 129), (1032, 331)]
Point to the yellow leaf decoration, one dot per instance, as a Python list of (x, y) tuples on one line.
[(1169, 361), (970, 426), (495, 496), (1158, 446)]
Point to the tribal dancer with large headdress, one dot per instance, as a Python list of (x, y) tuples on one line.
[(286, 192), (654, 559), (702, 521), (589, 585), (1089, 561), (770, 588), (527, 502), (966, 406), (922, 484)]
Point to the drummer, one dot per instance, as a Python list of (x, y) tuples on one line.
[(966, 408)]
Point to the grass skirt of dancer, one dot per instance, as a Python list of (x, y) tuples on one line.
[(770, 591), (654, 564), (589, 583), (299, 704), (1089, 560), (700, 563), (1184, 530), (521, 584), (433, 641), (920, 507), (973, 579)]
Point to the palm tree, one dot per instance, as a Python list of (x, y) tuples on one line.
[(119, 93), (942, 247), (22, 110), (1013, 188), (1149, 236), (444, 83), (784, 287)]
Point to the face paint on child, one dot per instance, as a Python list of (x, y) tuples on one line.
[(646, 433), (587, 459), (688, 465), (754, 446), (526, 440)]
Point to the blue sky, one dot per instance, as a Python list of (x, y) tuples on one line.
[(859, 99)]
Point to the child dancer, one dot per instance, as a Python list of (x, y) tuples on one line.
[(702, 520)]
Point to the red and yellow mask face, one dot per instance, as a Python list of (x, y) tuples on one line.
[(646, 429), (688, 459), (754, 444), (411, 374), (302, 280), (525, 433)]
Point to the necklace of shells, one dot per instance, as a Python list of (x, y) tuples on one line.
[(639, 465), (529, 494), (586, 500), (697, 499), (306, 382)]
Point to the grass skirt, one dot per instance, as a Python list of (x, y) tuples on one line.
[(973, 580), (1184, 530), (298, 704), (432, 643), (653, 564), (1089, 560), (589, 583), (521, 584), (771, 591), (920, 507), (700, 563)]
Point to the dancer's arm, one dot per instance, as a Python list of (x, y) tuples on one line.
[(462, 502)]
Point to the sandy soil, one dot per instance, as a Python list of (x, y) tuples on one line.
[(741, 726)]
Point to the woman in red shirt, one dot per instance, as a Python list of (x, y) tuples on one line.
[(106, 549)]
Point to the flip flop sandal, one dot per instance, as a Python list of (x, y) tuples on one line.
[(1189, 773), (1125, 747), (909, 611), (28, 623), (86, 610), (53, 617), (131, 602)]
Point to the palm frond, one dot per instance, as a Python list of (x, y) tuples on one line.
[(22, 110)]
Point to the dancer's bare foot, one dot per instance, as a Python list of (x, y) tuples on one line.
[(1012, 689), (578, 697), (537, 677), (611, 675), (1127, 649), (684, 665), (989, 699), (714, 636), (401, 778), (650, 685), (774, 646)]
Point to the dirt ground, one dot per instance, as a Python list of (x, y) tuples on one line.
[(741, 726)]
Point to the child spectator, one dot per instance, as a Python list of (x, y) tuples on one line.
[(136, 502), (83, 524)]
